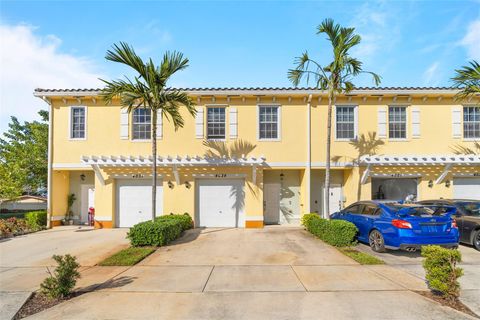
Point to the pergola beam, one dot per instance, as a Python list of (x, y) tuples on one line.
[(445, 172)]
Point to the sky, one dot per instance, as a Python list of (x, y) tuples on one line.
[(62, 44)]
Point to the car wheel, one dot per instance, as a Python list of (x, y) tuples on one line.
[(375, 239), (476, 240)]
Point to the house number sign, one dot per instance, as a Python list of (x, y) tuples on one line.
[(220, 175), (138, 176)]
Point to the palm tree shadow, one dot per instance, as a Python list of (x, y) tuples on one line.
[(364, 145), (462, 150), (235, 150)]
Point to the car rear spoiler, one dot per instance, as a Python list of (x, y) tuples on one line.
[(449, 210)]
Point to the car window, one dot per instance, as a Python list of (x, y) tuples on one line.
[(371, 210), (470, 208), (355, 209)]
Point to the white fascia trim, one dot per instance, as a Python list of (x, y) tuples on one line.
[(265, 92), (71, 166), (253, 218), (314, 164)]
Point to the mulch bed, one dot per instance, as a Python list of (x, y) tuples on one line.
[(455, 304), (38, 302)]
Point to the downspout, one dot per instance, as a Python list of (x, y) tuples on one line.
[(309, 155), (49, 171)]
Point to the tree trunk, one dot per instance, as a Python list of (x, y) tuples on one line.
[(327, 162), (154, 163)]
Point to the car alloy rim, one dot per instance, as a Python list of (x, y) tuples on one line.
[(477, 240), (375, 239)]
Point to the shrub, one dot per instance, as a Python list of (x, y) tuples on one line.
[(441, 270), (338, 233), (62, 281), (36, 220), (159, 232), (12, 226)]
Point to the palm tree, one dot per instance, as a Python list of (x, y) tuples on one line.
[(149, 90), (467, 79), (335, 77)]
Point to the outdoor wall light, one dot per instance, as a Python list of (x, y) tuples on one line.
[(281, 176), (447, 183), (188, 185), (82, 177), (430, 183), (170, 184)]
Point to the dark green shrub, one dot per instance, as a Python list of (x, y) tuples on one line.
[(159, 232), (338, 233), (36, 220), (62, 281), (441, 270)]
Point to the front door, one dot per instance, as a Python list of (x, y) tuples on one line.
[(87, 201), (335, 199), (271, 203)]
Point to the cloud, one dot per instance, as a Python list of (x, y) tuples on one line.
[(29, 61), (471, 41), (430, 76)]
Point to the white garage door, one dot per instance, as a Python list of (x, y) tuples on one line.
[(134, 201), (220, 203), (466, 188)]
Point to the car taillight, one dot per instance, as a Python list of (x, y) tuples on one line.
[(454, 224), (401, 224)]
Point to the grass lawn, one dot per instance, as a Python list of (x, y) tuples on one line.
[(360, 257), (18, 215), (128, 257)]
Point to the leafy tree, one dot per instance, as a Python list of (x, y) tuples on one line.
[(467, 79), (148, 89), (335, 77), (23, 157)]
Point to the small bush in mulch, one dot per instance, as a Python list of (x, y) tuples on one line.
[(454, 304), (36, 303)]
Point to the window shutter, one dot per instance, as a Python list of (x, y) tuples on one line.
[(415, 122), (457, 122), (382, 122), (233, 123), (160, 125), (124, 117), (355, 123), (199, 123)]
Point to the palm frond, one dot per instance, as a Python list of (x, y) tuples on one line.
[(467, 79)]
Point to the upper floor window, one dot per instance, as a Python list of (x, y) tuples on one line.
[(471, 122), (77, 123), (216, 123), (345, 122), (142, 124), (268, 125), (397, 122)]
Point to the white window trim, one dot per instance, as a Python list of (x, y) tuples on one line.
[(130, 132), (70, 123), (407, 123), (205, 118), (462, 120), (279, 121), (355, 122)]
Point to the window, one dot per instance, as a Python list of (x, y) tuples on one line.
[(268, 122), (216, 123), (345, 122), (142, 124), (354, 209), (471, 122), (77, 124), (371, 210), (397, 122)]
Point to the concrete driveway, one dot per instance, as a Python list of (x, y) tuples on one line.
[(411, 262), (270, 273), (24, 259)]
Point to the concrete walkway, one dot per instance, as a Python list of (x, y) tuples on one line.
[(24, 259), (271, 273), (411, 262)]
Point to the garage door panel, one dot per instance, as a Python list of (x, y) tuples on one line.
[(466, 188), (220, 203), (134, 201)]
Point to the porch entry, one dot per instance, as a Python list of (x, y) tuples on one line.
[(281, 197), (87, 200), (394, 188)]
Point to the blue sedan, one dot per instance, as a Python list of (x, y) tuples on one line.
[(401, 226)]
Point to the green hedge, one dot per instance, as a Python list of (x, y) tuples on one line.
[(441, 270), (36, 220), (159, 232), (338, 233)]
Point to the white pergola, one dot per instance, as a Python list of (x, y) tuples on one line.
[(448, 161), (174, 162)]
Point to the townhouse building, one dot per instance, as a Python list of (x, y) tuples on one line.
[(256, 156)]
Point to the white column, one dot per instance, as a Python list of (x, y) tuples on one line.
[(309, 157)]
